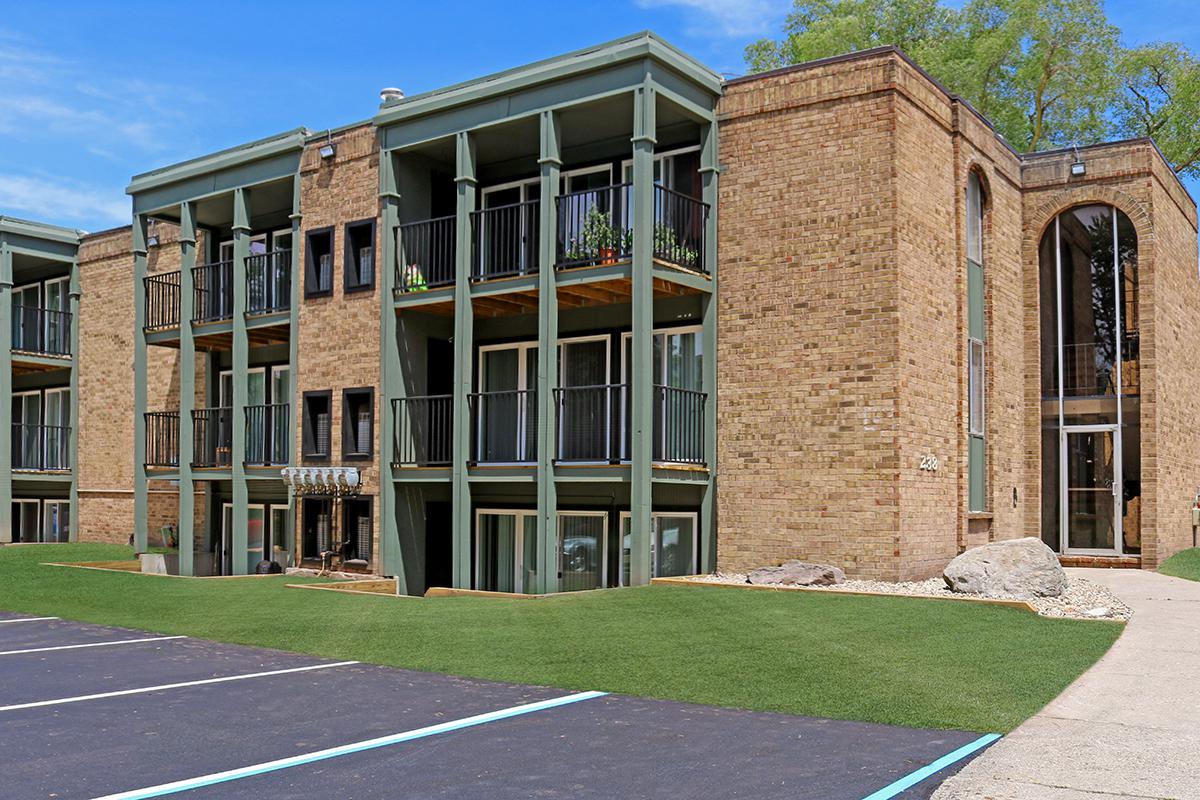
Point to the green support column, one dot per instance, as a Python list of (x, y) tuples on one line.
[(6, 287), (547, 366), (709, 169), (187, 389), (391, 556), (463, 339), (241, 357), (294, 358), (641, 379), (140, 508), (73, 297)]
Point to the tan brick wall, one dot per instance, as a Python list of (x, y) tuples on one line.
[(339, 335)]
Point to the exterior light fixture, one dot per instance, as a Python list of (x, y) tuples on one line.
[(152, 234), (328, 150), (1078, 168)]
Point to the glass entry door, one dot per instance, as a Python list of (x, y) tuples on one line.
[(506, 551), (582, 561), (1091, 506)]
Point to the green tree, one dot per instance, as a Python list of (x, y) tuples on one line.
[(1160, 98)]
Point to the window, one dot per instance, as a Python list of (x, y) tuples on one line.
[(674, 544), (360, 256), (318, 263), (356, 529), (358, 412), (975, 379), (317, 408), (318, 528)]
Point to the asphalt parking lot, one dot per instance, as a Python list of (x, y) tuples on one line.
[(89, 711)]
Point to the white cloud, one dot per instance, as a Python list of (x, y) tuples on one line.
[(48, 198), (729, 18)]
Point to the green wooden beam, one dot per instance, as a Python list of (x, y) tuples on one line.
[(241, 384), (642, 378), (294, 358), (709, 172), (141, 519), (547, 367), (73, 297), (187, 389), (6, 287), (463, 341), (391, 556)]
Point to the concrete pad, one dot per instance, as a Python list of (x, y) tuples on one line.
[(1127, 728)]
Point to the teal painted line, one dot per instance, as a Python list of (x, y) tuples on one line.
[(913, 778), (348, 749)]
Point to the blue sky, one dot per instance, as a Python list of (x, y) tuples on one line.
[(97, 92)]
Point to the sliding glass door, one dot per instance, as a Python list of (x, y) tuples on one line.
[(582, 554), (505, 550)]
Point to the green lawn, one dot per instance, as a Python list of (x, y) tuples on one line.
[(1184, 564), (892, 660)]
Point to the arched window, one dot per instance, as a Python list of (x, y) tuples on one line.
[(976, 351), (1091, 442)]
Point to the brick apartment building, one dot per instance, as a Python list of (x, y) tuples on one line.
[(499, 303)]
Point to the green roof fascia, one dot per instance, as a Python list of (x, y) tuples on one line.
[(29, 229), (630, 48), (221, 160)]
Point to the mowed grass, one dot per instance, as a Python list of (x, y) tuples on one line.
[(892, 660), (1184, 564)]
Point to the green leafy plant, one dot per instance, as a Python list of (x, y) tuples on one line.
[(668, 247)]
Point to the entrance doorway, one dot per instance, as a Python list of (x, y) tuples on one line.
[(505, 550), (1091, 501)]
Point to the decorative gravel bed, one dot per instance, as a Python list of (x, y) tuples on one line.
[(1082, 600)]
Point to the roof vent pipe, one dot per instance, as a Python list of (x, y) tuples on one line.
[(390, 95)]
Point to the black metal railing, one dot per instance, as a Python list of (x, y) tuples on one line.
[(679, 226), (422, 430), (267, 434), (504, 241), (212, 437), (425, 255), (504, 427), (594, 226), (41, 330), (162, 300), (162, 438), (679, 425), (590, 423), (269, 282), (41, 447), (212, 291)]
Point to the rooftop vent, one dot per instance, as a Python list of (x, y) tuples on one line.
[(390, 95)]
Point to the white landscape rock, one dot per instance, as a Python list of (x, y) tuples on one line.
[(797, 573), (1015, 568)]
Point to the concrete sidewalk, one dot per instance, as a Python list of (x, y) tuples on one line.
[(1128, 728)]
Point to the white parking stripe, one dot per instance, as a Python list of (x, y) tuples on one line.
[(26, 619), (165, 686), (346, 749), (89, 644)]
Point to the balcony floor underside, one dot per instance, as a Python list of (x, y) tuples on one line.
[(221, 337), (25, 363)]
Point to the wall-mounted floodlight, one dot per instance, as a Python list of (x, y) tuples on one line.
[(1078, 168), (328, 150)]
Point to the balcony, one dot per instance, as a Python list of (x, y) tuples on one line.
[(595, 226), (422, 431), (162, 438), (504, 427), (212, 437), (162, 300), (269, 282), (212, 292), (590, 423), (45, 331), (680, 223), (41, 448), (268, 429), (426, 255), (504, 241), (678, 426)]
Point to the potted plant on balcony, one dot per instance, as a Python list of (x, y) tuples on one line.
[(668, 247), (600, 237)]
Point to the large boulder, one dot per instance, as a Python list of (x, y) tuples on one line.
[(1019, 567), (797, 573)]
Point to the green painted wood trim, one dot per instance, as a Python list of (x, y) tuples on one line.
[(294, 356), (463, 343), (74, 297), (38, 230), (976, 473), (286, 142), (187, 389), (709, 153), (391, 555), (140, 487), (643, 46), (6, 287), (641, 379), (241, 384), (547, 368)]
